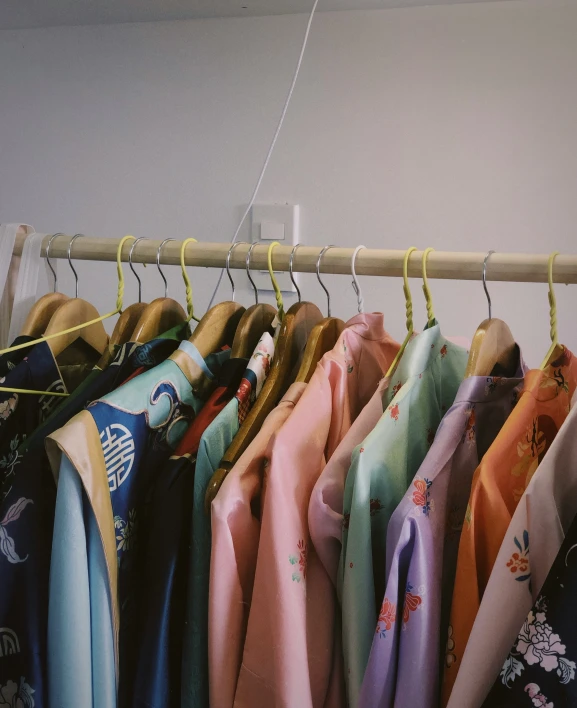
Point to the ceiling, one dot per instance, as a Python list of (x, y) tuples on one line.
[(19, 14)]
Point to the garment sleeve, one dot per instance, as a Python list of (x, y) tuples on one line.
[(69, 636)]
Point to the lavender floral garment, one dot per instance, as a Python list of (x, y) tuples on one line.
[(421, 390), (422, 547)]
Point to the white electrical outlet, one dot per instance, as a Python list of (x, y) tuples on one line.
[(274, 222)]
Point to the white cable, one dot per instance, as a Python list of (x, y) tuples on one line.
[(272, 145)]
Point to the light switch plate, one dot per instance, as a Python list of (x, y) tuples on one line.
[(274, 222)]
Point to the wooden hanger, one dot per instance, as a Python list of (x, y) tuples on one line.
[(41, 313), (295, 330), (256, 320), (325, 334), (161, 314), (493, 349)]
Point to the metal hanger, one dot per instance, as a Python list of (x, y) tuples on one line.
[(131, 265), (489, 254), (356, 284), (291, 274), (228, 255), (321, 254), (247, 263), (48, 259), (166, 240)]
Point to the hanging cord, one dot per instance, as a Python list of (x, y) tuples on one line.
[(275, 285), (119, 300), (427, 290), (273, 143), (189, 303), (356, 284), (552, 312), (408, 309)]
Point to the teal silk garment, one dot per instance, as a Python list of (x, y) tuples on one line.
[(421, 390), (213, 444)]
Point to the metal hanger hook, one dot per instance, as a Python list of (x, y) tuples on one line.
[(166, 240), (142, 238), (70, 259), (247, 262), (489, 254), (228, 255), (356, 284), (321, 254), (48, 259), (291, 274)]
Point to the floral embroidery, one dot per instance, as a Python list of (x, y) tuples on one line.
[(361, 450), (412, 602), (396, 388), (450, 658), (444, 351), (13, 695), (421, 494), (375, 506), (387, 617), (8, 463), (529, 449), (346, 519), (7, 545), (126, 531), (492, 383), (560, 380), (470, 428), (394, 411), (519, 562), (538, 644), (8, 407), (537, 697), (301, 561)]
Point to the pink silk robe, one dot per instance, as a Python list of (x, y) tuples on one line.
[(287, 659), (235, 537)]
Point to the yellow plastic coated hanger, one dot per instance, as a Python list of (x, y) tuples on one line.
[(409, 310), (119, 300), (189, 303), (427, 290), (555, 350)]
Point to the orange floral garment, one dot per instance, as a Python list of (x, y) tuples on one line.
[(498, 484)]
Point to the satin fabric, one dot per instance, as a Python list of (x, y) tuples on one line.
[(287, 660), (162, 589), (422, 545), (115, 448), (213, 444), (498, 485), (422, 389), (235, 522), (533, 539)]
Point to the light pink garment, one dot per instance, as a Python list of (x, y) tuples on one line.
[(235, 537), (326, 504), (289, 660), (540, 522)]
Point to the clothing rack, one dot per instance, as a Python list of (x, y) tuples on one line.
[(449, 265)]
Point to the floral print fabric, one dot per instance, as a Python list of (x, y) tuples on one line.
[(422, 545), (498, 485), (421, 391), (542, 661), (532, 541), (292, 660)]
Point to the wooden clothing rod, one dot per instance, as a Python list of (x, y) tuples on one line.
[(451, 265)]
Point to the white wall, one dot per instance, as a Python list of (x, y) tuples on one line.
[(454, 127)]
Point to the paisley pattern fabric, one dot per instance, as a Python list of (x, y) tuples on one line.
[(498, 485)]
